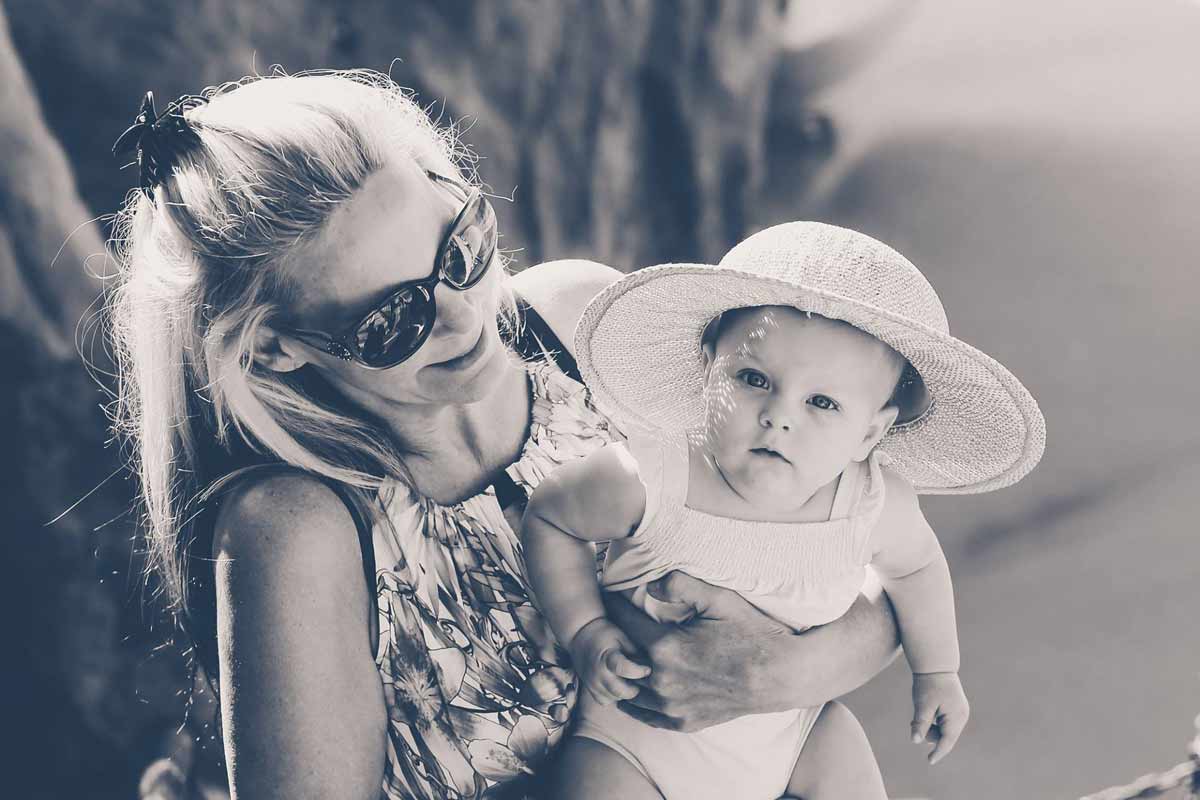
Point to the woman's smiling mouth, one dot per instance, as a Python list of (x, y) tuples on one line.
[(466, 358)]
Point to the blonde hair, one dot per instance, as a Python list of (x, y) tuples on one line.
[(203, 265)]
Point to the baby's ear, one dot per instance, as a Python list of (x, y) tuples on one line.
[(708, 344), (881, 423), (709, 351)]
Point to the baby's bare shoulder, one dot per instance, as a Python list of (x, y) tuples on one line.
[(901, 529), (602, 493), (900, 498)]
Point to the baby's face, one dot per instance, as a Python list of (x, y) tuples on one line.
[(791, 400)]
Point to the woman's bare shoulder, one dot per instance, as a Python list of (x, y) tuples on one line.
[(286, 541), (294, 642), (561, 290), (283, 516)]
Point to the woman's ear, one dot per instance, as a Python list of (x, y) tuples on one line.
[(881, 423), (278, 352)]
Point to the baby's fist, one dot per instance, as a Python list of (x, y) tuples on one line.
[(940, 711), (603, 656)]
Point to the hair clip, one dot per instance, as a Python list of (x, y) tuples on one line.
[(158, 139)]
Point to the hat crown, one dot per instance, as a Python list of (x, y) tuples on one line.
[(841, 262)]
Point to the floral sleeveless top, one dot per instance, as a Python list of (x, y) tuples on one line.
[(477, 690)]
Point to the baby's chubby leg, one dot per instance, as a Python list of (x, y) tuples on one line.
[(585, 769), (836, 762)]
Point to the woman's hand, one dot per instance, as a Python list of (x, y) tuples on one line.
[(731, 659), (708, 670)]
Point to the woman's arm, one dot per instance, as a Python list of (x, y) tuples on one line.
[(732, 660), (301, 699)]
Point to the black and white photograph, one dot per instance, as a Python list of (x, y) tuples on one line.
[(585, 399)]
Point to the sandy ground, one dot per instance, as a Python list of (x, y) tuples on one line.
[(1041, 163)]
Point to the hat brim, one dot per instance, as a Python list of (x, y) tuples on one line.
[(638, 348)]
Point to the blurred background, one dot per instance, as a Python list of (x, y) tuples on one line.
[(1040, 161)]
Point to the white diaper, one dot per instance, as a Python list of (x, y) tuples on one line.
[(748, 758)]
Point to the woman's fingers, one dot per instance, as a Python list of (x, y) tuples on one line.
[(679, 588), (639, 627), (648, 700), (658, 712), (637, 707)]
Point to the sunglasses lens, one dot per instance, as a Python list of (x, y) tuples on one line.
[(396, 329), (471, 246)]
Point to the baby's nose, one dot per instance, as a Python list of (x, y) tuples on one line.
[(775, 419)]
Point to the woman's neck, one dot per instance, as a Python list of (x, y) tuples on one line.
[(452, 451)]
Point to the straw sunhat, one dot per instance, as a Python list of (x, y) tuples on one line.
[(638, 347)]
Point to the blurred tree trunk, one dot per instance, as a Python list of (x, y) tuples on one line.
[(45, 235), (71, 693), (627, 131)]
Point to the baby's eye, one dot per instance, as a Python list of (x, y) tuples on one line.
[(752, 377), (824, 403)]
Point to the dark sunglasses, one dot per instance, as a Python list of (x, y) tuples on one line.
[(393, 331)]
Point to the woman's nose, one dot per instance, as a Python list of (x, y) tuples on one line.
[(454, 312)]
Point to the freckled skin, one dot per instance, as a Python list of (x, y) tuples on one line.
[(386, 234), (791, 400)]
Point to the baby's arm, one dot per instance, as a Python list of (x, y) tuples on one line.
[(913, 571), (598, 498)]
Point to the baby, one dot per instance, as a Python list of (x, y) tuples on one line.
[(783, 411)]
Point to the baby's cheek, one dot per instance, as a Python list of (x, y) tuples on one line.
[(724, 408), (731, 431)]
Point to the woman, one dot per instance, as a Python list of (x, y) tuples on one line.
[(326, 370)]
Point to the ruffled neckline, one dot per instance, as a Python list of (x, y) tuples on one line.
[(563, 425)]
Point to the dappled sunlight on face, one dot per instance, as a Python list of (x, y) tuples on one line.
[(789, 401)]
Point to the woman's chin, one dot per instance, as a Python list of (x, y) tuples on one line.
[(477, 378)]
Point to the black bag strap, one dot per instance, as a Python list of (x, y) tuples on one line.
[(536, 339), (363, 526)]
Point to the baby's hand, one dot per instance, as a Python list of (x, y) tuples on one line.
[(603, 657), (940, 711)]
